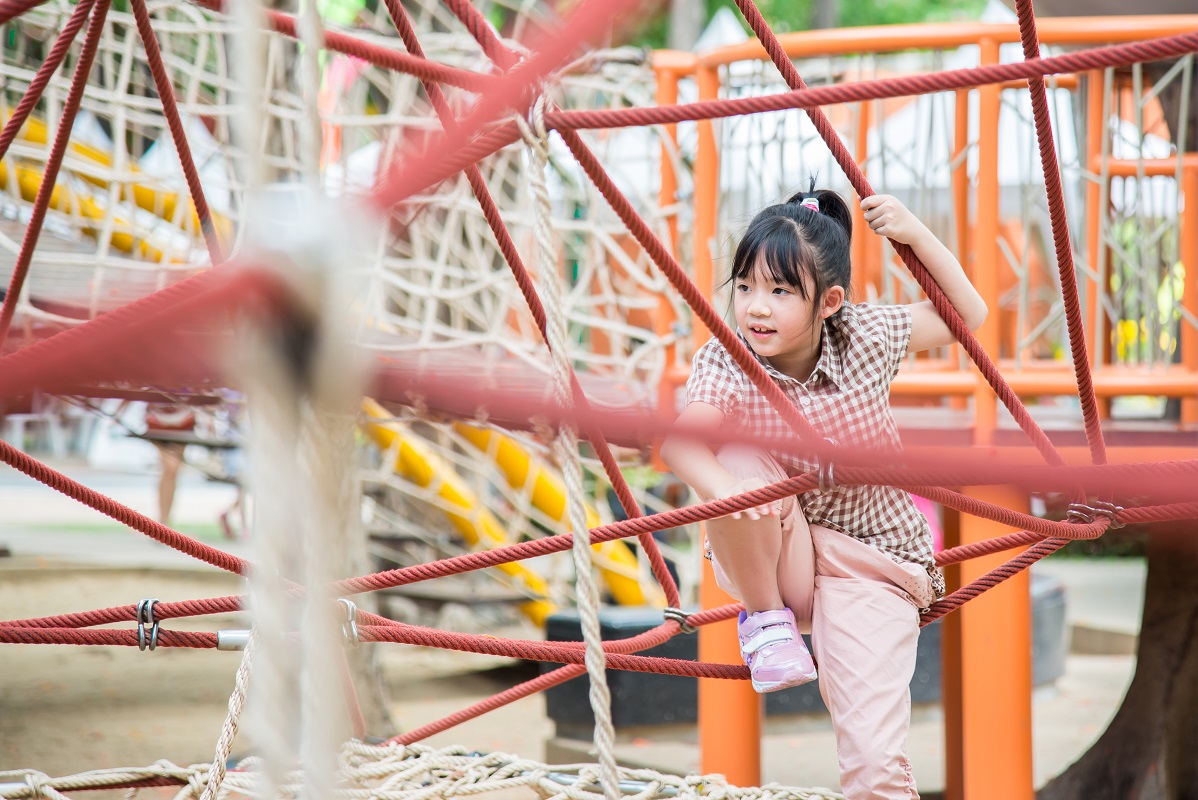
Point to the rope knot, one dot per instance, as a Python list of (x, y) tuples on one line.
[(37, 784)]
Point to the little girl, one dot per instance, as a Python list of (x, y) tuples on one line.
[(851, 564)]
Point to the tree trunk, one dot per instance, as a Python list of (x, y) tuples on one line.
[(686, 24), (1150, 749), (825, 14)]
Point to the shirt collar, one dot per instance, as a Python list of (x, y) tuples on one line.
[(828, 364), (829, 356)]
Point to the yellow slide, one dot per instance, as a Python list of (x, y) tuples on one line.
[(163, 204), (616, 561), (476, 525), (480, 528)]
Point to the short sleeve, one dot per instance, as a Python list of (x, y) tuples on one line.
[(898, 336), (715, 379)]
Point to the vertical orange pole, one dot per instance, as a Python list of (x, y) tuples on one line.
[(729, 711), (668, 66), (707, 188), (987, 652), (1093, 290), (985, 242), (961, 179), (1189, 260), (986, 646), (960, 184), (865, 247), (1096, 213)]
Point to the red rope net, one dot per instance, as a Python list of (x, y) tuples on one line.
[(183, 322)]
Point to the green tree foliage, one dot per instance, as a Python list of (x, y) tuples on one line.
[(797, 15)]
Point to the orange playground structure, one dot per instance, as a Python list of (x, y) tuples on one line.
[(987, 663)]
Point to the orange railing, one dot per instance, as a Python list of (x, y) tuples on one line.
[(1000, 254)]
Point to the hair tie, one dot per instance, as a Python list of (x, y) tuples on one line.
[(811, 203)]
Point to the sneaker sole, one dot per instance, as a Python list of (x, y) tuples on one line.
[(797, 679)]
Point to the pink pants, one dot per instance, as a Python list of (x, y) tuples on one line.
[(861, 608)]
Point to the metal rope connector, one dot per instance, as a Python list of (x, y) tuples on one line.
[(145, 616), (232, 640), (681, 617), (827, 477), (1080, 513), (1109, 510), (349, 627)]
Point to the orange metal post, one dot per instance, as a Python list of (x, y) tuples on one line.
[(1189, 258), (960, 175), (986, 647), (668, 66), (987, 654), (1092, 288), (729, 711), (707, 188), (985, 242), (960, 183), (866, 265)]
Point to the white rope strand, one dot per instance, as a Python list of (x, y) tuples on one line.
[(311, 32), (228, 730), (567, 447)]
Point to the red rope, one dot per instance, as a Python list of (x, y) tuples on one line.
[(512, 93), (528, 289), (504, 134), (166, 93), (121, 513), (15, 8), (505, 58), (991, 579), (861, 185), (483, 33), (557, 652), (875, 89), (200, 640), (49, 67), (40, 631), (375, 54), (1060, 237), (50, 177)]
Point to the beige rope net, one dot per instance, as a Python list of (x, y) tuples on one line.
[(415, 772), (431, 285)]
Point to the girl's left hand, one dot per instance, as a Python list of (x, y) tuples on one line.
[(890, 218)]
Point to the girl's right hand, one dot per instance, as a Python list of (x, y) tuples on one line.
[(749, 484), (887, 216)]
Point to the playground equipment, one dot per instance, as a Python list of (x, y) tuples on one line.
[(423, 291), (416, 461)]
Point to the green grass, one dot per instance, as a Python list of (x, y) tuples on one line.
[(204, 531)]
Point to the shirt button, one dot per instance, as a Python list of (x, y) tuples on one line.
[(806, 401)]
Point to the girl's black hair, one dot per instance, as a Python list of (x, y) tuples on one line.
[(800, 246)]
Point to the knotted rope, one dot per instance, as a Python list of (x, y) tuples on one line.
[(536, 138)]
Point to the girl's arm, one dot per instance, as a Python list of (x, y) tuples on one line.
[(696, 464), (890, 218)]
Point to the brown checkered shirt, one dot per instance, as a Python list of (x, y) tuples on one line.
[(847, 399)]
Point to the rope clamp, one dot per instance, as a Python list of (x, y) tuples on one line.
[(827, 478), (1111, 511), (145, 616), (1080, 513), (681, 617), (349, 627)]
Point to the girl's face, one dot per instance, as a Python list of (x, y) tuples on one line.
[(779, 323)]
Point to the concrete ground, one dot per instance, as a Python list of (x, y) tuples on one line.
[(39, 525)]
